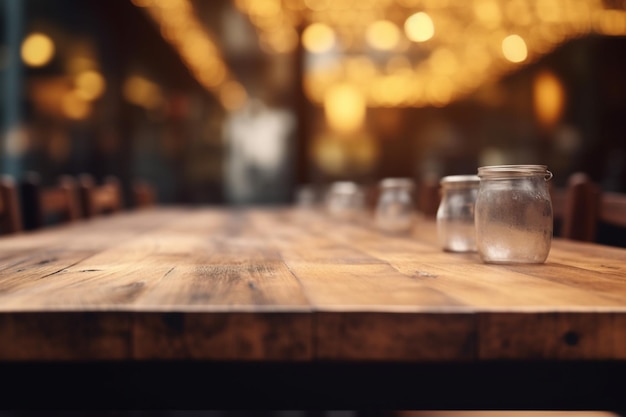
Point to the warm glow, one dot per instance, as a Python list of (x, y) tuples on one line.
[(470, 46), (419, 27), (318, 38), (488, 12), (383, 35), (345, 155), (142, 92), (514, 48), (283, 40), (611, 22), (443, 61), (196, 46), (90, 85), (233, 96), (344, 107), (317, 5), (74, 107), (548, 98), (37, 50)]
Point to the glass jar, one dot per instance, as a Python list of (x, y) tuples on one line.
[(513, 215), (344, 200), (395, 208), (455, 215)]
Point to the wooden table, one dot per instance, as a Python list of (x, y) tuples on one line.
[(287, 308)]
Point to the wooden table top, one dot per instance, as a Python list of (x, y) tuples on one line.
[(288, 284)]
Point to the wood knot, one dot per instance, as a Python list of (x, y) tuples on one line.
[(571, 338)]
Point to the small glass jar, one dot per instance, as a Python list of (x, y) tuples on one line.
[(455, 215), (513, 215), (344, 200), (395, 208)]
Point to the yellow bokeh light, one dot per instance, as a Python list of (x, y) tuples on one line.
[(488, 12), (383, 34), (232, 95), (37, 50), (90, 85), (468, 48), (611, 22), (344, 107), (280, 41), (318, 38), (443, 61), (74, 107), (345, 155), (142, 92), (317, 5), (419, 27), (548, 98), (514, 48)]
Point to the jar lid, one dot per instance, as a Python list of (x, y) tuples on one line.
[(514, 171), (344, 187), (460, 179), (396, 183)]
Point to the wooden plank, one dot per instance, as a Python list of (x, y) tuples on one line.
[(44, 336), (365, 309), (223, 336), (232, 297), (220, 284), (549, 335), (61, 267), (394, 337), (38, 319)]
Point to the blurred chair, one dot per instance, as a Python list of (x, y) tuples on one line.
[(576, 208), (428, 196), (10, 215), (97, 200), (48, 205), (582, 208), (144, 194)]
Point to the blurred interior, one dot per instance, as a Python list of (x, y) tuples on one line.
[(245, 101)]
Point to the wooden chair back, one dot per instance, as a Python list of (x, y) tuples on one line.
[(580, 210), (144, 194), (48, 205), (97, 200), (582, 206), (10, 214), (428, 196)]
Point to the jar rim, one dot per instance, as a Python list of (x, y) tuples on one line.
[(396, 182), (512, 170), (460, 179), (341, 187)]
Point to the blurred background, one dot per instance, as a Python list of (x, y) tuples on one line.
[(246, 101)]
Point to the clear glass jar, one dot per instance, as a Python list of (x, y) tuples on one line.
[(395, 208), (344, 200), (513, 214), (455, 215)]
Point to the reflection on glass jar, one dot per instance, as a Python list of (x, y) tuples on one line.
[(513, 214), (344, 200), (395, 207), (455, 215)]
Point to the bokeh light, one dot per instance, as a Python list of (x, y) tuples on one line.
[(383, 34), (548, 98), (37, 50), (344, 107), (90, 85), (318, 38), (419, 27), (514, 48)]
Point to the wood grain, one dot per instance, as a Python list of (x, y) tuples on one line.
[(284, 284)]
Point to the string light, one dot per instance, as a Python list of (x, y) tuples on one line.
[(180, 26), (453, 46)]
